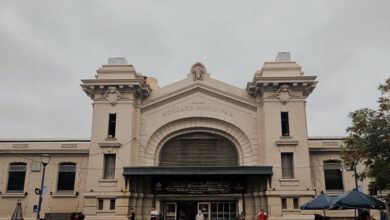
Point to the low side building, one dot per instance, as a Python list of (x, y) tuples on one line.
[(198, 143)]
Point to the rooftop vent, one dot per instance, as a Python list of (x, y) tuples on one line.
[(117, 61), (283, 57)]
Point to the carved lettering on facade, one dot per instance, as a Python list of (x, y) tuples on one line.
[(193, 107)]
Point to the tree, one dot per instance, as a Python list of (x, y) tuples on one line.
[(368, 142)]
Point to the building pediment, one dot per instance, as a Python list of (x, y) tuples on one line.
[(241, 98), (198, 103)]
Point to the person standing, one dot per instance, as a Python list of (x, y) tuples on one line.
[(242, 216), (81, 216), (153, 214), (132, 215), (73, 216), (262, 215), (383, 215), (199, 216), (364, 215)]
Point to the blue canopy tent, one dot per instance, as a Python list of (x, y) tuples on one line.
[(356, 200), (321, 202)]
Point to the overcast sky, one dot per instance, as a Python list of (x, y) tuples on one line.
[(46, 47)]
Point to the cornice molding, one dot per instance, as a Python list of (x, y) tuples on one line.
[(101, 86), (40, 151), (296, 83)]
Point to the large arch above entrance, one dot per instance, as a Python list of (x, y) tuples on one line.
[(198, 124), (198, 149)]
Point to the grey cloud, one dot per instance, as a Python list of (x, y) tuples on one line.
[(46, 47)]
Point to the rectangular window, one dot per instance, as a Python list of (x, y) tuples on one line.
[(333, 175), (16, 177), (296, 203), (111, 125), (284, 203), (100, 204), (112, 204), (66, 177), (109, 166), (285, 125), (287, 165)]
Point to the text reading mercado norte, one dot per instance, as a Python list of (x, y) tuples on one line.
[(197, 143)]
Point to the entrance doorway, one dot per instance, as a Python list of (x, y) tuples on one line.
[(187, 210), (205, 207)]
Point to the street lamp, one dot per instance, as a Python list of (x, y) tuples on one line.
[(45, 159), (354, 164)]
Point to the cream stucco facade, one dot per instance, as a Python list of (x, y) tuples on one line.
[(147, 120)]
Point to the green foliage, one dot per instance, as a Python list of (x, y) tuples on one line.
[(368, 142)]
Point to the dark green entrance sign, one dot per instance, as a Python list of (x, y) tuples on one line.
[(198, 185)]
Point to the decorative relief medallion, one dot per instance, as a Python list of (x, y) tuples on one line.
[(284, 94), (112, 95), (198, 70)]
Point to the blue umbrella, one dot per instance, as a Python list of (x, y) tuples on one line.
[(322, 201), (356, 200)]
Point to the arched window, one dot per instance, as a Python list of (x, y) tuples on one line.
[(16, 177), (198, 149), (333, 175), (66, 177)]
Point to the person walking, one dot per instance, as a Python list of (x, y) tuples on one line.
[(262, 215)]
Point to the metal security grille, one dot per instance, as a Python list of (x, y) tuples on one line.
[(198, 149)]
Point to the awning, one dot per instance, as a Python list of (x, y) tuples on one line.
[(166, 171)]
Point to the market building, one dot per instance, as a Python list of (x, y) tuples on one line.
[(198, 143)]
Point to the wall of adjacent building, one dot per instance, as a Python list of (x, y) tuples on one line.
[(53, 201)]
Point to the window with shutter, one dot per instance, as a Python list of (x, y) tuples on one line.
[(109, 166), (66, 177), (333, 175), (287, 165), (16, 177)]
